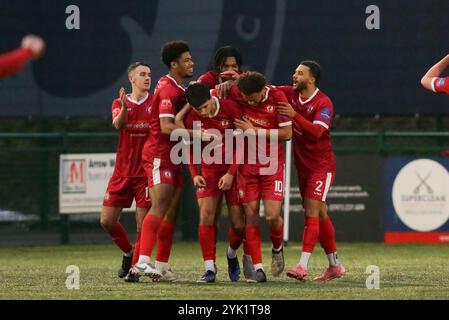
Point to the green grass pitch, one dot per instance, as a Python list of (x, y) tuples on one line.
[(406, 272)]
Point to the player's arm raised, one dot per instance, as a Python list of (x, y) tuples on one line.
[(434, 72), (122, 118)]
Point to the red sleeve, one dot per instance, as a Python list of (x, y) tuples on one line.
[(12, 62), (209, 79), (166, 108), (440, 85), (324, 113), (279, 96), (116, 107)]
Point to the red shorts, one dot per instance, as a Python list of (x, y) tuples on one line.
[(253, 186), (212, 178), (122, 191), (315, 185), (159, 171)]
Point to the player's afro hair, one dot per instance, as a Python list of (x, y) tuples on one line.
[(197, 94), (173, 50), (224, 52)]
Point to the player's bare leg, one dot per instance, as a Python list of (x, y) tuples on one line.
[(161, 199), (276, 225), (207, 236), (253, 239), (140, 215), (310, 237), (109, 220), (327, 241), (236, 236)]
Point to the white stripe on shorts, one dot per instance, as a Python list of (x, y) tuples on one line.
[(328, 185), (156, 171)]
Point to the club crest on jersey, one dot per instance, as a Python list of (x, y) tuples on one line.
[(167, 174), (270, 108), (225, 123), (149, 109)]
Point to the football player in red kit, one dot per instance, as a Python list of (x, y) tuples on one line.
[(433, 81), (216, 175), (164, 176), (256, 179), (312, 112), (131, 116), (227, 66)]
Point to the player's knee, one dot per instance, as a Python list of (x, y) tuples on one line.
[(272, 219), (239, 229), (312, 213), (107, 223), (207, 216)]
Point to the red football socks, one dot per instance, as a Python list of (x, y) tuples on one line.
[(149, 232), (206, 236), (253, 240), (327, 236), (311, 232), (120, 237), (164, 240)]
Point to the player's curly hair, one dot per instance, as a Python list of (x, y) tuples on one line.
[(224, 52), (251, 82), (172, 50)]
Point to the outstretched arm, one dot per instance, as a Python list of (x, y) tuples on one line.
[(434, 72)]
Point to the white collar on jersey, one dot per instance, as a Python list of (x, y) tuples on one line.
[(310, 98), (265, 98), (217, 102), (174, 81), (128, 96)]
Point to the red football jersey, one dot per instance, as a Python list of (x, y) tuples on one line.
[(223, 119), (167, 101), (310, 154), (133, 136), (264, 116), (440, 85)]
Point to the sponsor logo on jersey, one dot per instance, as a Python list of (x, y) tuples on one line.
[(166, 103), (309, 109)]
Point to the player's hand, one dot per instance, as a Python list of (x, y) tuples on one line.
[(225, 182), (122, 95), (230, 75), (199, 182), (243, 124), (285, 108), (35, 44), (224, 88)]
